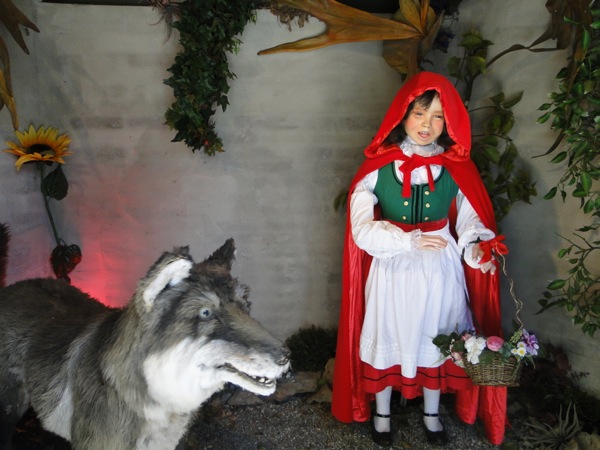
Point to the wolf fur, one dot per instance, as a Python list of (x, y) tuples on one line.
[(4, 238), (131, 378)]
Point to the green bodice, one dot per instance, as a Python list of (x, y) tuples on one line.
[(424, 205)]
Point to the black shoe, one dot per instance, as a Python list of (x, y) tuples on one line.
[(381, 438), (435, 437)]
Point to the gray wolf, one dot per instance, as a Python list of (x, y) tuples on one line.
[(131, 378)]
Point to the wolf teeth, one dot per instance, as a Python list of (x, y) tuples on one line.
[(263, 380), (255, 378)]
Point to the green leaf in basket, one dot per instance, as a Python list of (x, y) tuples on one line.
[(487, 357)]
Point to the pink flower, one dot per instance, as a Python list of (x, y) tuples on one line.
[(465, 336), (494, 343), (458, 359)]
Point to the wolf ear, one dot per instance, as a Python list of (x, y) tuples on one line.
[(219, 263), (169, 270)]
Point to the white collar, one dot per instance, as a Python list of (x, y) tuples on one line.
[(410, 147)]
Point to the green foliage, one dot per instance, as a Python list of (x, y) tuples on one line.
[(312, 347), (55, 184), (497, 157), (574, 111), (579, 292), (341, 200), (473, 62), (493, 151), (208, 31), (550, 386), (558, 436)]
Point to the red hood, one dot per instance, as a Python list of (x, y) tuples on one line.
[(457, 120)]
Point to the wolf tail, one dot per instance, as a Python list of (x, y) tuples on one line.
[(4, 238)]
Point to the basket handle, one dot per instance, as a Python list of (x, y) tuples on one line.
[(494, 249), (518, 303)]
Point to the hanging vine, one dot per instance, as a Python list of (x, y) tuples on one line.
[(493, 151), (208, 31), (575, 114)]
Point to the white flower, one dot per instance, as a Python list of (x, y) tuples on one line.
[(520, 351), (474, 346)]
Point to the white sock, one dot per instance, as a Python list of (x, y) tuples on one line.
[(432, 406), (382, 401)]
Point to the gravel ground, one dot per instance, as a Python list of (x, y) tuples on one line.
[(296, 424)]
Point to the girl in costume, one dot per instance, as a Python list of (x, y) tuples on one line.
[(417, 210)]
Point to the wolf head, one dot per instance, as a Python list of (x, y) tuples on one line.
[(201, 333)]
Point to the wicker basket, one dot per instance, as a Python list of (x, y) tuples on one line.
[(497, 373)]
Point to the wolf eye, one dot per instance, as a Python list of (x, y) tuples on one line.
[(205, 313)]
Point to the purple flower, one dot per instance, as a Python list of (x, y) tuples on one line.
[(531, 342)]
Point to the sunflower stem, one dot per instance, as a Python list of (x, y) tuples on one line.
[(47, 204)]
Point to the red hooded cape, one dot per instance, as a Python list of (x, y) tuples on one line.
[(350, 402)]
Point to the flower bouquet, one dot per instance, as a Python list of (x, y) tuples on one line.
[(489, 361)]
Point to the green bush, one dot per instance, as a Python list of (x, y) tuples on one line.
[(311, 348)]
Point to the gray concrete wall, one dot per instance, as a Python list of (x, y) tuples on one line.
[(294, 134)]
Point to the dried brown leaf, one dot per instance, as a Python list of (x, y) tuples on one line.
[(8, 100), (5, 59), (406, 55), (412, 14), (343, 24), (12, 17)]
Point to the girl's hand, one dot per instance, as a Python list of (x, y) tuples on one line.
[(489, 266), (432, 242)]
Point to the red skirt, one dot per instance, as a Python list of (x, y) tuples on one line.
[(448, 377)]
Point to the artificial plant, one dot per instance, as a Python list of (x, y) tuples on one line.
[(44, 147), (409, 34), (208, 31), (12, 18), (493, 151), (574, 112)]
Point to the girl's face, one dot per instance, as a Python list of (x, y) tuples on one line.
[(425, 125)]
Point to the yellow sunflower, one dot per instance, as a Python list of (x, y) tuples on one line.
[(43, 145)]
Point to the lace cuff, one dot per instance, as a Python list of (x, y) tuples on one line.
[(415, 239)]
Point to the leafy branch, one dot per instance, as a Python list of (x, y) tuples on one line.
[(579, 292), (575, 114), (493, 151), (208, 31)]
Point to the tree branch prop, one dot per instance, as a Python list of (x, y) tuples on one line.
[(12, 18), (558, 29), (344, 24)]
